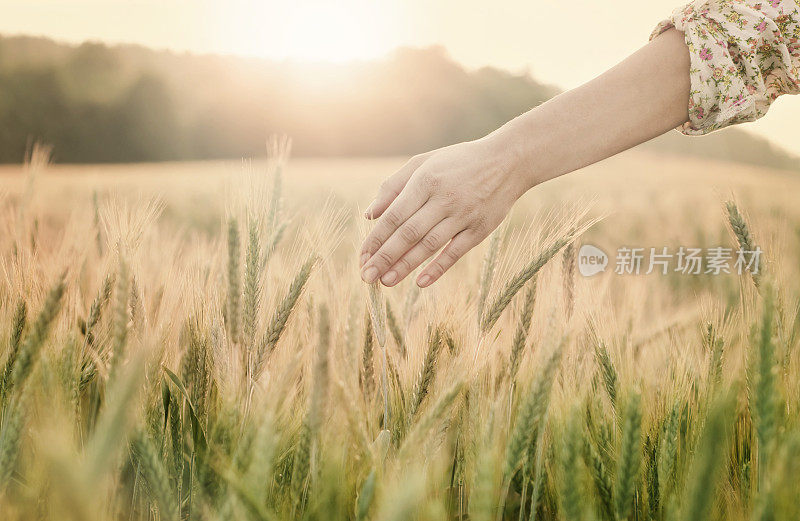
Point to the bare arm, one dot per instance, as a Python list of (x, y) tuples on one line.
[(455, 196), (635, 101)]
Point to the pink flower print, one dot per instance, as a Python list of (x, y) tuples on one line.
[(705, 54), (699, 112), (718, 72), (762, 26), (750, 88), (774, 3)]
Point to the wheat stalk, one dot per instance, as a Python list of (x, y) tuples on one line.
[(743, 236), (607, 372), (427, 373), (630, 454), (281, 315), (568, 279), (394, 329), (251, 296), (487, 274), (530, 413), (518, 281), (523, 325), (232, 310), (120, 314), (28, 351), (17, 328), (367, 359), (156, 476)]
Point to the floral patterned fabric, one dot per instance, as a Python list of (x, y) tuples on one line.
[(744, 54)]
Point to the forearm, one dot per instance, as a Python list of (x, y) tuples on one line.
[(637, 100)]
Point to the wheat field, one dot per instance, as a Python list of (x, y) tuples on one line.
[(192, 341)]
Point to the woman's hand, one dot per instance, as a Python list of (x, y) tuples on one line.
[(452, 198)]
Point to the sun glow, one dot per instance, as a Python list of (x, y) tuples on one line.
[(310, 30)]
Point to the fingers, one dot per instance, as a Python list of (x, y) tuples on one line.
[(423, 250), (392, 187), (403, 239), (406, 205), (461, 244)]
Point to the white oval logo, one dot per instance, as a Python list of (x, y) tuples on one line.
[(591, 260)]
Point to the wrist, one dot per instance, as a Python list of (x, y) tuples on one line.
[(518, 155)]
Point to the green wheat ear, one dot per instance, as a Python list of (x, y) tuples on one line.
[(487, 274), (30, 348), (530, 413), (708, 464), (394, 329), (523, 326), (232, 309), (741, 231), (629, 457), (281, 315), (607, 372), (11, 430), (765, 394), (367, 373), (17, 328), (568, 278), (516, 282), (571, 502), (252, 293), (427, 373)]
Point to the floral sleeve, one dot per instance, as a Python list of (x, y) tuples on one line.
[(744, 54)]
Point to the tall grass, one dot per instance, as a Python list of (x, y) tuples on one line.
[(245, 372)]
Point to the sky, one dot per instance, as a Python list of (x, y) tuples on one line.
[(561, 43)]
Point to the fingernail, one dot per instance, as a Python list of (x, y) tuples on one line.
[(364, 258), (368, 211), (389, 278), (370, 274), (424, 281)]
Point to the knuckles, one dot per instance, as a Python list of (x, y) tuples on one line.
[(392, 218), (409, 233), (371, 244), (452, 254), (383, 258), (430, 242), (429, 182), (480, 224)]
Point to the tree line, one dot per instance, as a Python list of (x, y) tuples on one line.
[(99, 103)]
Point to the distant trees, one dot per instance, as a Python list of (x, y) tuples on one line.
[(95, 103)]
